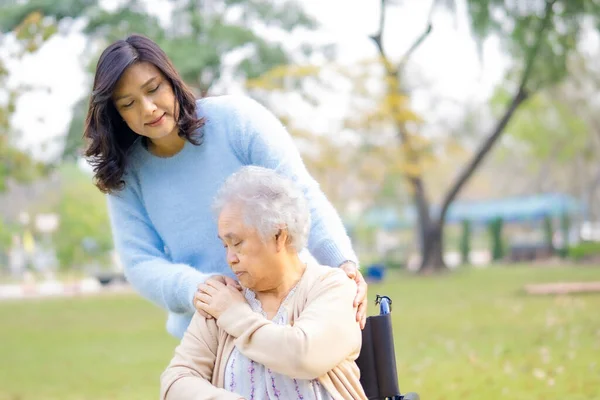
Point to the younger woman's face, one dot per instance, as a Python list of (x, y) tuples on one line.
[(145, 100)]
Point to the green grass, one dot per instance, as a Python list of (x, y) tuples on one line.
[(471, 334)]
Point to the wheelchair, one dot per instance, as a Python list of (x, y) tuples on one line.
[(377, 358)]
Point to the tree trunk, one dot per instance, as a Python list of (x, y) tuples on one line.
[(430, 232), (432, 257)]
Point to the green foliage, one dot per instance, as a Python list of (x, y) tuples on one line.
[(31, 30), (465, 241), (198, 36), (547, 126), (495, 229), (517, 24), (584, 250), (83, 216), (565, 227), (548, 231), (6, 231), (15, 164), (15, 12), (73, 140)]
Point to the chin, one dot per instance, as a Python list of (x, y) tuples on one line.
[(163, 133), (246, 283)]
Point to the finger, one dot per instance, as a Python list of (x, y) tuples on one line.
[(200, 305), (361, 312), (202, 297), (216, 278), (218, 285), (361, 292), (363, 322), (232, 282), (204, 313), (205, 288), (204, 308)]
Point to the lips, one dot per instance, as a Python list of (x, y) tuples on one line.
[(157, 121)]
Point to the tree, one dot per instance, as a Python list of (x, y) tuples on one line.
[(83, 219), (540, 35), (555, 138), (17, 164)]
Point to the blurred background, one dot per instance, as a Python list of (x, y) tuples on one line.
[(458, 139)]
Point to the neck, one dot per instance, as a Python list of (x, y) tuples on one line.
[(293, 272), (166, 146)]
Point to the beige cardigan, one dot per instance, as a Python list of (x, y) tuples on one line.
[(322, 341)]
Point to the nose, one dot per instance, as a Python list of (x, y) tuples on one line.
[(149, 106), (232, 257)]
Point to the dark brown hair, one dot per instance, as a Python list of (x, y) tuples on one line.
[(109, 138)]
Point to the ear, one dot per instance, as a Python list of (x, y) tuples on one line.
[(281, 238)]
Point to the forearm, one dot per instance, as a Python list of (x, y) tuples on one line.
[(171, 286), (146, 267), (325, 333), (328, 241)]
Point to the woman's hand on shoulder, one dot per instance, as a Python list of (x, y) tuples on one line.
[(216, 295), (360, 301), (219, 278)]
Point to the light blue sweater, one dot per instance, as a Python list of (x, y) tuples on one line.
[(162, 222)]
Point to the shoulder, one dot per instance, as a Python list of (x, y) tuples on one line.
[(229, 106), (321, 278), (243, 121), (204, 330)]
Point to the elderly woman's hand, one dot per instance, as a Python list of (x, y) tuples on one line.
[(214, 297), (360, 300)]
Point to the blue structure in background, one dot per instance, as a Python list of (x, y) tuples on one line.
[(511, 209), (514, 209), (375, 273)]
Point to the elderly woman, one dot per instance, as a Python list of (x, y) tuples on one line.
[(291, 331)]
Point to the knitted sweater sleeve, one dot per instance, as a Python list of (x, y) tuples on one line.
[(259, 138), (142, 252)]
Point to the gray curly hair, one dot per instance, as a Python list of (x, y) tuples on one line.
[(269, 201)]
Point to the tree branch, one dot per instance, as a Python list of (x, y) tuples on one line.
[(522, 95), (377, 36), (414, 46), (378, 39), (420, 39)]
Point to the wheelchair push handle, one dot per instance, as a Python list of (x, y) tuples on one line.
[(384, 303)]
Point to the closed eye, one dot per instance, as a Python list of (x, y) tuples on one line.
[(155, 89), (127, 105)]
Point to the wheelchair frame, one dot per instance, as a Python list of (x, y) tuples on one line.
[(378, 353)]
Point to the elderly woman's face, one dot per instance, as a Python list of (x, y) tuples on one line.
[(252, 260)]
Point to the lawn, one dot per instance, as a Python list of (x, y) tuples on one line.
[(470, 334)]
